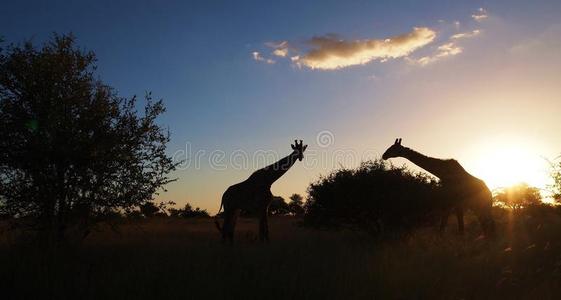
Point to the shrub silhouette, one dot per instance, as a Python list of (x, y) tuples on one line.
[(188, 212), (384, 200), (278, 207), (149, 209)]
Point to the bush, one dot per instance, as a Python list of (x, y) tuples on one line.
[(381, 199), (188, 212)]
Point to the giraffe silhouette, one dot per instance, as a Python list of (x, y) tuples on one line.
[(458, 186), (254, 195)]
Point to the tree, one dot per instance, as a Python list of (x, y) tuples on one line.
[(556, 186), (149, 209), (296, 205), (188, 212), (70, 147), (278, 206), (518, 196)]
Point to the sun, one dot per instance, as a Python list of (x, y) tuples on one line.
[(506, 164)]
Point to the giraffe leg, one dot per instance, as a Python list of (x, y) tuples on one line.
[(230, 218), (235, 215), (227, 227), (487, 223), (444, 220), (263, 227), (266, 226), (460, 217)]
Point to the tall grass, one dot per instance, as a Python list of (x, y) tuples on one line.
[(171, 258)]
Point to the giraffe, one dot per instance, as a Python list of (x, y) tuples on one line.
[(467, 191), (254, 195)]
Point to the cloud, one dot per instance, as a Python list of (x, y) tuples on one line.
[(281, 52), (281, 48), (480, 14), (448, 49), (464, 35), (258, 57), (330, 52)]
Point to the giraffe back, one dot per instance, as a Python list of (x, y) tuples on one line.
[(247, 195)]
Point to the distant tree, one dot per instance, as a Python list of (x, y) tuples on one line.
[(174, 212), (188, 212), (278, 206), (518, 196), (296, 205), (149, 209), (70, 147), (556, 186), (164, 208)]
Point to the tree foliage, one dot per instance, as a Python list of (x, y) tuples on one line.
[(381, 199), (149, 209), (70, 146), (296, 205), (518, 196), (556, 186)]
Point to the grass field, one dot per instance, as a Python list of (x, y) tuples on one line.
[(183, 259)]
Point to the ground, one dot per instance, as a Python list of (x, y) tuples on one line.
[(184, 259)]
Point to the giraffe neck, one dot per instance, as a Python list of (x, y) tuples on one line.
[(440, 168), (272, 173)]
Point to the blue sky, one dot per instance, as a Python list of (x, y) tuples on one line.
[(498, 92)]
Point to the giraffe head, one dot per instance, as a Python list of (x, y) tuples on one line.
[(299, 149), (394, 150)]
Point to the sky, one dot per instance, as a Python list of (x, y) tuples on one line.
[(477, 81)]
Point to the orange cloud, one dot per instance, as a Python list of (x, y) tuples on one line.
[(448, 49), (331, 53), (281, 48)]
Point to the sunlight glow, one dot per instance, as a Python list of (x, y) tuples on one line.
[(505, 165)]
